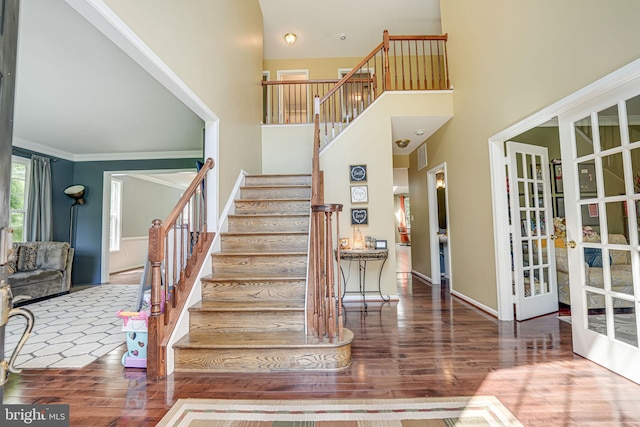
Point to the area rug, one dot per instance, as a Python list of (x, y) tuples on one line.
[(72, 330), (450, 411)]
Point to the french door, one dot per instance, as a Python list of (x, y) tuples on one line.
[(600, 144), (532, 249)]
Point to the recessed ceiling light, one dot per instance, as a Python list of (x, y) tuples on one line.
[(343, 36), (420, 132)]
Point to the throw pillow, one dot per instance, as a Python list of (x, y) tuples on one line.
[(12, 266), (593, 257), (27, 255), (52, 255)]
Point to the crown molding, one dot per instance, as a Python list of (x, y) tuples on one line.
[(101, 157)]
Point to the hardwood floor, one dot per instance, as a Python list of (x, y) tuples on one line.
[(427, 344)]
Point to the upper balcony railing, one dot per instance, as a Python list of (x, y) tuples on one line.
[(399, 63)]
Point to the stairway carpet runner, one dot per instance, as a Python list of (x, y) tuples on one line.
[(252, 314)]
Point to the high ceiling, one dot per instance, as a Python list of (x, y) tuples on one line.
[(80, 97)]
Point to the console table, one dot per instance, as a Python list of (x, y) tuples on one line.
[(364, 256)]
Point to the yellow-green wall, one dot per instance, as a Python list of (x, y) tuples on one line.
[(507, 60), (215, 47)]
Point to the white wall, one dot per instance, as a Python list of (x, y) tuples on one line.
[(132, 254), (287, 148)]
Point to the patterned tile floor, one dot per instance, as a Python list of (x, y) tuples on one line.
[(72, 330)]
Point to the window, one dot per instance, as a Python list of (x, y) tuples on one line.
[(115, 218), (18, 198)]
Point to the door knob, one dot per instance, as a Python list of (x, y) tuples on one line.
[(571, 244)]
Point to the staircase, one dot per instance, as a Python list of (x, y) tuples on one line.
[(252, 314)]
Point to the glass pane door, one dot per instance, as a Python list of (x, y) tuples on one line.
[(532, 247), (604, 180)]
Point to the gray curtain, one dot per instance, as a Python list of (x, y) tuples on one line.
[(39, 216)]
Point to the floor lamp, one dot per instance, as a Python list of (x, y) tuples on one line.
[(76, 192)]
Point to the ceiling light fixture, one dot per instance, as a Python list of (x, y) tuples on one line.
[(343, 36), (402, 143), (420, 132), (290, 38)]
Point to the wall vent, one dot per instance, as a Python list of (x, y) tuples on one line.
[(422, 156)]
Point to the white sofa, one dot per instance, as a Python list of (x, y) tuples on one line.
[(620, 267)]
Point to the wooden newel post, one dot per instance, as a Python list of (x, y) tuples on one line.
[(156, 251)]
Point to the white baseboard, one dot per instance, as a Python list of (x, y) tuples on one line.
[(475, 303), (422, 276), (368, 298)]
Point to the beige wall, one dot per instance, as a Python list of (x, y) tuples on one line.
[(368, 141), (508, 60), (215, 47), (319, 68), (287, 148)]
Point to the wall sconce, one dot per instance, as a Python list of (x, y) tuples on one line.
[(290, 38), (76, 192), (402, 143)]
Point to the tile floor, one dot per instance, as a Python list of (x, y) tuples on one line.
[(72, 330)]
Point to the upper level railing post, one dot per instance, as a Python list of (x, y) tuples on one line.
[(386, 64)]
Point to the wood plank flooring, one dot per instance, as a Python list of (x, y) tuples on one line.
[(427, 344)]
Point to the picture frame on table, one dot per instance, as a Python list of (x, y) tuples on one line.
[(381, 244)]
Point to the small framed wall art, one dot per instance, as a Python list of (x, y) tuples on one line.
[(358, 173), (359, 216), (359, 194)]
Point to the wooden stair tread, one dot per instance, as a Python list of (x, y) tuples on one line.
[(216, 277), (264, 233), (281, 199), (247, 305), (289, 339), (262, 254)]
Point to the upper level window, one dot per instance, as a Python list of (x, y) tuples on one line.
[(18, 197)]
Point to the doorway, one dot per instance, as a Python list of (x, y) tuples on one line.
[(440, 248), (294, 98), (583, 116)]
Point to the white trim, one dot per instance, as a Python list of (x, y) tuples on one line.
[(134, 238), (434, 242), (348, 299), (422, 276), (162, 182), (101, 157), (474, 303), (497, 168)]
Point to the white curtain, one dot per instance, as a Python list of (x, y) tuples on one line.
[(39, 216)]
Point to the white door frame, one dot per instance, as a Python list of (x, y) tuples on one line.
[(498, 173), (432, 200)]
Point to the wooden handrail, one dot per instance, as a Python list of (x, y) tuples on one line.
[(175, 249)]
